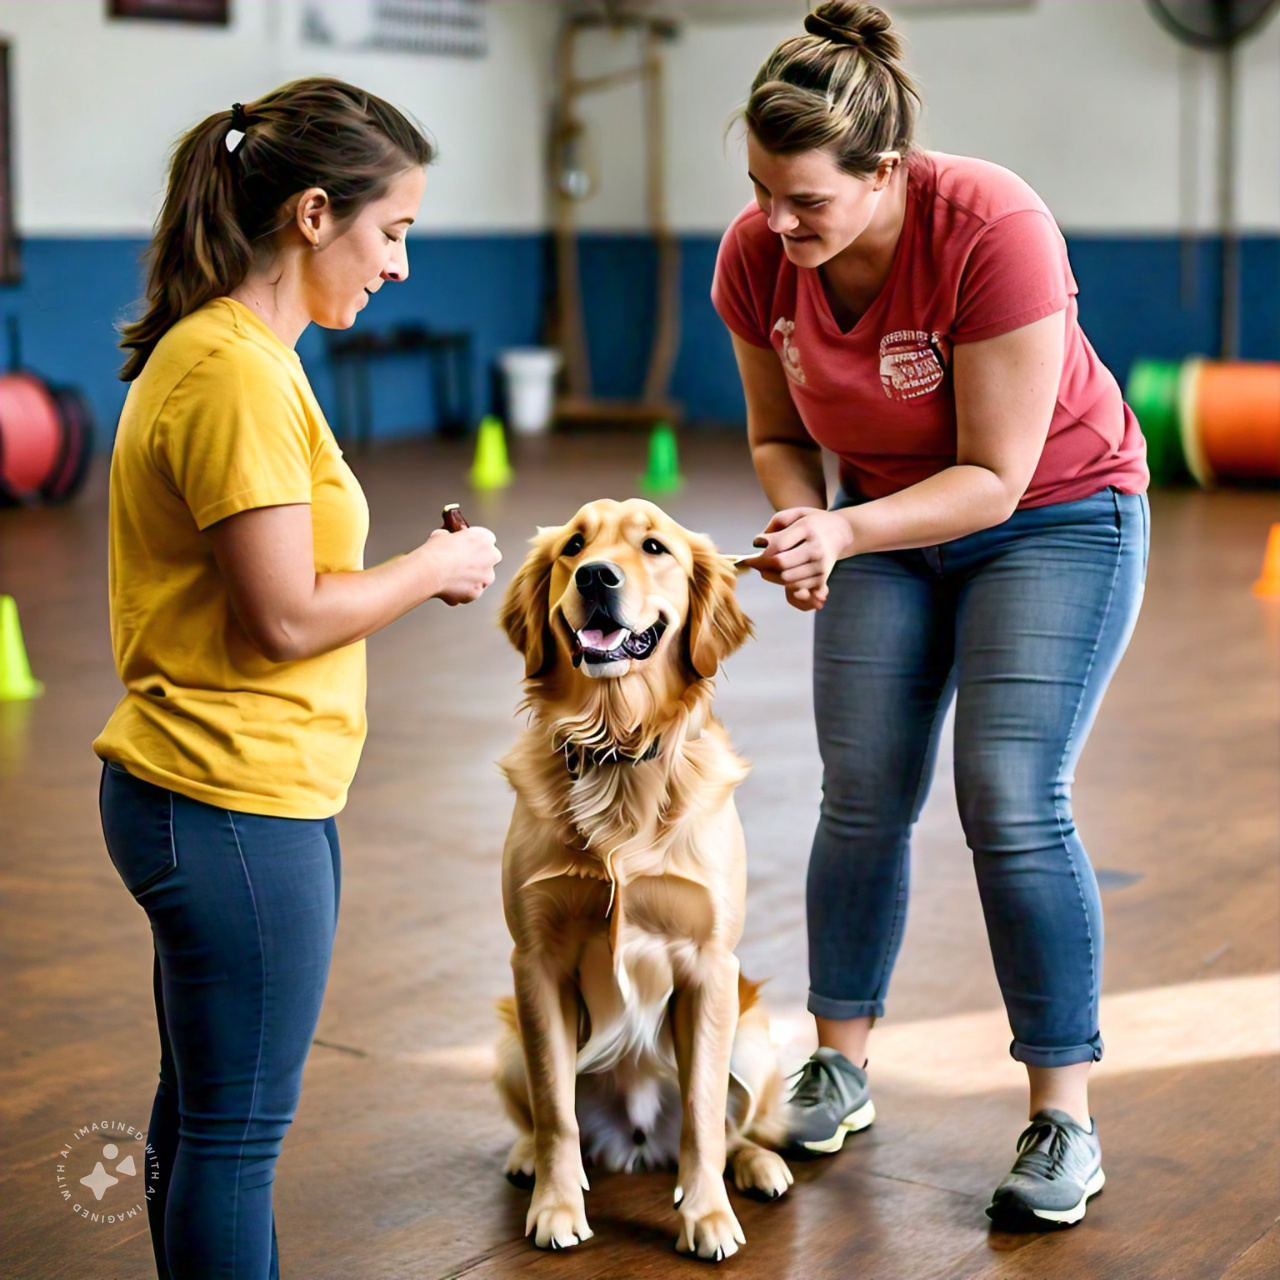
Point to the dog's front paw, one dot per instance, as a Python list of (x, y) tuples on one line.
[(760, 1172), (708, 1227), (557, 1217), (520, 1163)]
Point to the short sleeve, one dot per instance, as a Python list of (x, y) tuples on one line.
[(1016, 273), (235, 436), (735, 288)]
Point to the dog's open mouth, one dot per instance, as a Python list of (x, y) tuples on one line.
[(604, 639)]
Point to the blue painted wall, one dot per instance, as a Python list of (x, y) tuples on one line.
[(1133, 302), (74, 292)]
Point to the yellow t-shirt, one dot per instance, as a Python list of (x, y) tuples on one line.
[(222, 420)]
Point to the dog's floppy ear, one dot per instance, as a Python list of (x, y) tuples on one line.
[(525, 613), (717, 626)]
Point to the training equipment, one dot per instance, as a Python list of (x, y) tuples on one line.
[(663, 475), (16, 681), (46, 440), (1230, 414), (1215, 420), (1152, 393), (573, 176), (491, 469), (1267, 586), (1229, 418)]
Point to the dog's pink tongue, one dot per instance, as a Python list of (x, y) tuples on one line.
[(598, 641)]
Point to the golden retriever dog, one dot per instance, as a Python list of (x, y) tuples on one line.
[(634, 1042)]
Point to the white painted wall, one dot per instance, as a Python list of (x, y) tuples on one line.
[(98, 104), (1080, 97)]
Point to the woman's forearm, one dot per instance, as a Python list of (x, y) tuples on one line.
[(955, 502), (1005, 392), (790, 474), (289, 611), (345, 607)]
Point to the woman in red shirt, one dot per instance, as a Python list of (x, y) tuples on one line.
[(915, 313)]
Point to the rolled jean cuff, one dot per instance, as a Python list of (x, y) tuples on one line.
[(1034, 1055), (840, 1010)]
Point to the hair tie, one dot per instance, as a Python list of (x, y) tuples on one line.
[(239, 121), (816, 25)]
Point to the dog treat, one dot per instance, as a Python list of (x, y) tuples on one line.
[(453, 519)]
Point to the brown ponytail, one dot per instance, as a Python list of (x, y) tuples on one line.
[(223, 201), (840, 88)]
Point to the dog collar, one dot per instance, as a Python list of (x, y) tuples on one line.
[(576, 759)]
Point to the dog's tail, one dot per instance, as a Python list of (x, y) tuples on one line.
[(506, 1007), (748, 993)]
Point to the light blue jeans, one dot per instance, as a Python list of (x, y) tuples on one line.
[(1025, 623)]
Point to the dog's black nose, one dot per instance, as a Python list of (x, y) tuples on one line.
[(598, 578)]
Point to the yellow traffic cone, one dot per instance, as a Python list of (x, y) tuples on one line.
[(16, 680), (491, 470), (1267, 587)]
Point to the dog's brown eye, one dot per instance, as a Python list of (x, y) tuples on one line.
[(653, 547), (574, 545)]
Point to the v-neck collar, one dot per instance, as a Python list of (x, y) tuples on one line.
[(818, 295)]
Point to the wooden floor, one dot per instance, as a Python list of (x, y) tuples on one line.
[(393, 1167)]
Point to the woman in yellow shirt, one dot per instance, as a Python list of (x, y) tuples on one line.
[(239, 608)]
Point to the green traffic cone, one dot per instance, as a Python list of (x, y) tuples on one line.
[(16, 680), (663, 475), (491, 470)]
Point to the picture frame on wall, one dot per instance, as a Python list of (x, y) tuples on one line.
[(207, 12), (10, 257)]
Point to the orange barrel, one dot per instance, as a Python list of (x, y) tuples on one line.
[(1231, 419), (30, 434)]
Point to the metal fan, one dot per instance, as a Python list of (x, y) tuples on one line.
[(1219, 27), (1211, 24)]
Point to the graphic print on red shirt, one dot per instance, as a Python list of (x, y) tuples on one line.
[(979, 256), (911, 364), (789, 352)]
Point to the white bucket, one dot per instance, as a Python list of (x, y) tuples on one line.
[(530, 374)]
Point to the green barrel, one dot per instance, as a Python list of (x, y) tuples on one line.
[(1152, 393)]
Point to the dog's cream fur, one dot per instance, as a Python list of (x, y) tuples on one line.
[(633, 1038)]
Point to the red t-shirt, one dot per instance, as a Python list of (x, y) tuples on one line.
[(979, 255)]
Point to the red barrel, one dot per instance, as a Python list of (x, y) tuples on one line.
[(46, 439)]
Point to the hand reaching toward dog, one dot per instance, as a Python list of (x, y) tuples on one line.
[(464, 556), (799, 548)]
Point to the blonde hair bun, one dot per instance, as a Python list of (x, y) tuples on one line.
[(860, 26), (840, 88)]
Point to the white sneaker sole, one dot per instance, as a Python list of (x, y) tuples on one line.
[(852, 1123), (1066, 1217)]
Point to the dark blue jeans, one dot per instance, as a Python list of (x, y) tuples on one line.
[(243, 911), (1025, 623)]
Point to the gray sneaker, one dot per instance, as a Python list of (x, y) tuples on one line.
[(829, 1101), (1059, 1166)]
